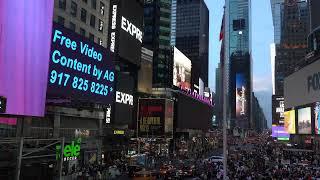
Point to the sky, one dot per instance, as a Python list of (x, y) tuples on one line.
[(262, 37)]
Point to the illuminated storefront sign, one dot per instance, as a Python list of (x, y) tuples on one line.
[(108, 115), (70, 151), (197, 96), (118, 132)]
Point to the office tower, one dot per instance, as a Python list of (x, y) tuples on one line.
[(157, 14), (237, 40), (293, 40), (87, 18), (190, 34), (219, 96)]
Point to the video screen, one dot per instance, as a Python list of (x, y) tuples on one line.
[(25, 39), (241, 96), (289, 121), (279, 132), (181, 70), (304, 120), (317, 117)]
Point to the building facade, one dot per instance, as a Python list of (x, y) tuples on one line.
[(190, 34)]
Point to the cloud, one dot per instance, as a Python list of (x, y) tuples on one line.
[(262, 83)]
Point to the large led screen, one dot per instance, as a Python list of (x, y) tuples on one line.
[(277, 110), (79, 69), (279, 132), (241, 96), (151, 117), (181, 70), (304, 120), (317, 117), (25, 32), (289, 121)]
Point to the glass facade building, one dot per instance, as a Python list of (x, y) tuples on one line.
[(190, 34), (157, 23)]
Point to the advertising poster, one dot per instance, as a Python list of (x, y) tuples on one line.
[(79, 69), (25, 32), (277, 110), (304, 120), (181, 70), (317, 117), (151, 117), (241, 96), (289, 121), (279, 132)]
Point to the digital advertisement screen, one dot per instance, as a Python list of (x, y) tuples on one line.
[(279, 132), (290, 121), (181, 70), (304, 120), (24, 55), (79, 69), (151, 117), (241, 96), (277, 110), (126, 32), (317, 117)]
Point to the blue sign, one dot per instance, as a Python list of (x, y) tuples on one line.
[(79, 68)]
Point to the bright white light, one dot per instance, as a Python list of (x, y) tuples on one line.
[(240, 32)]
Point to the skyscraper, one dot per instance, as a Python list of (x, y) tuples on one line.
[(237, 39), (157, 18), (293, 33), (190, 34)]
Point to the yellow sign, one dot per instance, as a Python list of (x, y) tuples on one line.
[(290, 121), (118, 132)]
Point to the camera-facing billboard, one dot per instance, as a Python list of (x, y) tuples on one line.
[(181, 70), (317, 117), (304, 121), (277, 110), (79, 69), (290, 121), (241, 96), (25, 32)]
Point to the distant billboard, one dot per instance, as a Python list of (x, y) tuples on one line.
[(277, 110), (25, 32), (181, 70), (317, 117), (241, 96), (79, 69), (304, 121), (290, 121), (279, 132)]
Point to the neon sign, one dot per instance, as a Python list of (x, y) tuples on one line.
[(197, 96), (70, 151)]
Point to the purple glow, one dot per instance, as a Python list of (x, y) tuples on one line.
[(25, 40), (279, 132), (197, 96), (8, 121)]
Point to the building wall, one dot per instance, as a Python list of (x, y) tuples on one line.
[(66, 16)]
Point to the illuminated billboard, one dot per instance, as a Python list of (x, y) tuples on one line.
[(241, 96), (317, 117), (181, 70), (25, 32), (289, 121), (277, 110), (304, 120), (79, 69), (280, 132)]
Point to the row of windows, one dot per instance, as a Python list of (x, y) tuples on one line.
[(83, 13), (82, 31)]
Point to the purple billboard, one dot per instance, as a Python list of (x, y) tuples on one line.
[(25, 33), (280, 132)]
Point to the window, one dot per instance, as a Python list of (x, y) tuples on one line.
[(62, 4), (61, 20), (73, 8), (102, 8), (82, 32), (92, 20), (94, 4), (91, 37), (100, 25), (72, 26), (100, 41), (83, 15)]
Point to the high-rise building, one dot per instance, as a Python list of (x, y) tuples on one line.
[(237, 63), (276, 19), (218, 96), (157, 21), (87, 18), (190, 34), (293, 33)]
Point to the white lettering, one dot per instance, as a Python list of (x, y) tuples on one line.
[(130, 28), (124, 98)]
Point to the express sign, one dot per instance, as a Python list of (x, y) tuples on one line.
[(124, 98)]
